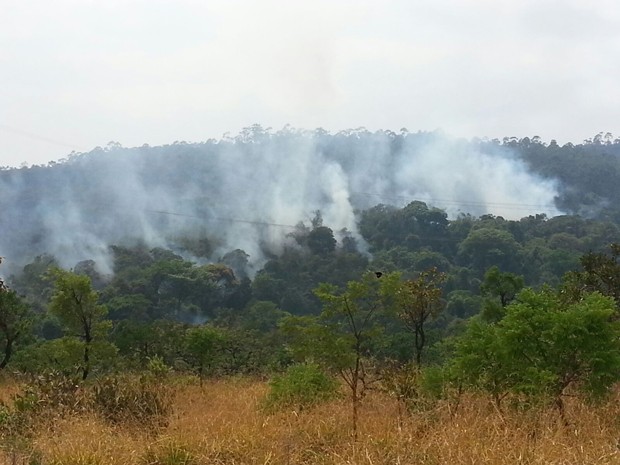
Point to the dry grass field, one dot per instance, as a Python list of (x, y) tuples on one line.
[(222, 423)]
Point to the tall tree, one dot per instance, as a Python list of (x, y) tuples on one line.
[(343, 336), (600, 272), (499, 289), (75, 304), (202, 343), (417, 301), (15, 320)]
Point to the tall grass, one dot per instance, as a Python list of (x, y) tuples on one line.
[(222, 423)]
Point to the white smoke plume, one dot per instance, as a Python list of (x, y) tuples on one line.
[(249, 191)]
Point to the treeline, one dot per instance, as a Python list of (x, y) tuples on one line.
[(155, 296), (245, 192), (586, 172), (424, 305), (532, 346)]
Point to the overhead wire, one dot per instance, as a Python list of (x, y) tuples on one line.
[(290, 226), (34, 136), (400, 199)]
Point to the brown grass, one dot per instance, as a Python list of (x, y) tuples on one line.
[(222, 423), (9, 387)]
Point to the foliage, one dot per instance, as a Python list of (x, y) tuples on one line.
[(139, 342), (321, 240), (415, 302), (569, 346), (301, 386), (203, 344), (65, 355), (15, 322), (487, 246), (415, 388), (499, 289), (543, 349), (480, 361), (75, 304), (600, 272), (343, 336)]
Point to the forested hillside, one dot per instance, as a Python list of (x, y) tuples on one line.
[(245, 228), (249, 192), (394, 260)]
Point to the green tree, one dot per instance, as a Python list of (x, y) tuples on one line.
[(343, 337), (600, 272), (321, 240), (32, 282), (556, 347), (416, 301), (302, 386), (488, 246), (15, 320), (499, 289), (543, 348), (480, 361), (75, 304), (202, 344), (463, 304)]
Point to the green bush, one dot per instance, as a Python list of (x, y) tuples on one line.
[(66, 355), (303, 385)]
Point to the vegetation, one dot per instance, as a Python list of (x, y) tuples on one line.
[(224, 422), (509, 327), (303, 385)]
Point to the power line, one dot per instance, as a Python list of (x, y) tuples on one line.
[(31, 135), (400, 199), (219, 218)]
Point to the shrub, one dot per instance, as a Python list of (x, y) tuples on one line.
[(139, 401), (303, 385), (157, 367), (51, 392), (416, 389)]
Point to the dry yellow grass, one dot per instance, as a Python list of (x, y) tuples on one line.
[(222, 423), (9, 387)]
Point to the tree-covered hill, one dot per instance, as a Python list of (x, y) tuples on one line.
[(249, 192), (397, 261)]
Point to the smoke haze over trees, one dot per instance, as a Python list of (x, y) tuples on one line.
[(248, 192)]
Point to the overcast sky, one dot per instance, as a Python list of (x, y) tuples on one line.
[(78, 74)]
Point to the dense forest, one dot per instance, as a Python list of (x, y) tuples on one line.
[(239, 232), (250, 191), (397, 259)]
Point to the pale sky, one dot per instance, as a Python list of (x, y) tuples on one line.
[(75, 74)]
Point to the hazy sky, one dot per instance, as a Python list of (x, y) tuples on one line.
[(75, 74)]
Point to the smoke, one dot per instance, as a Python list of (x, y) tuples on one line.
[(249, 192)]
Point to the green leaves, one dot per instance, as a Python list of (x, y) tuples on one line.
[(75, 304), (202, 344), (15, 321), (303, 385), (542, 348)]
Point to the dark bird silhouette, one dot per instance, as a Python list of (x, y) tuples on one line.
[(378, 274)]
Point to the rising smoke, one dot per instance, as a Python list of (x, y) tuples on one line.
[(248, 192)]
